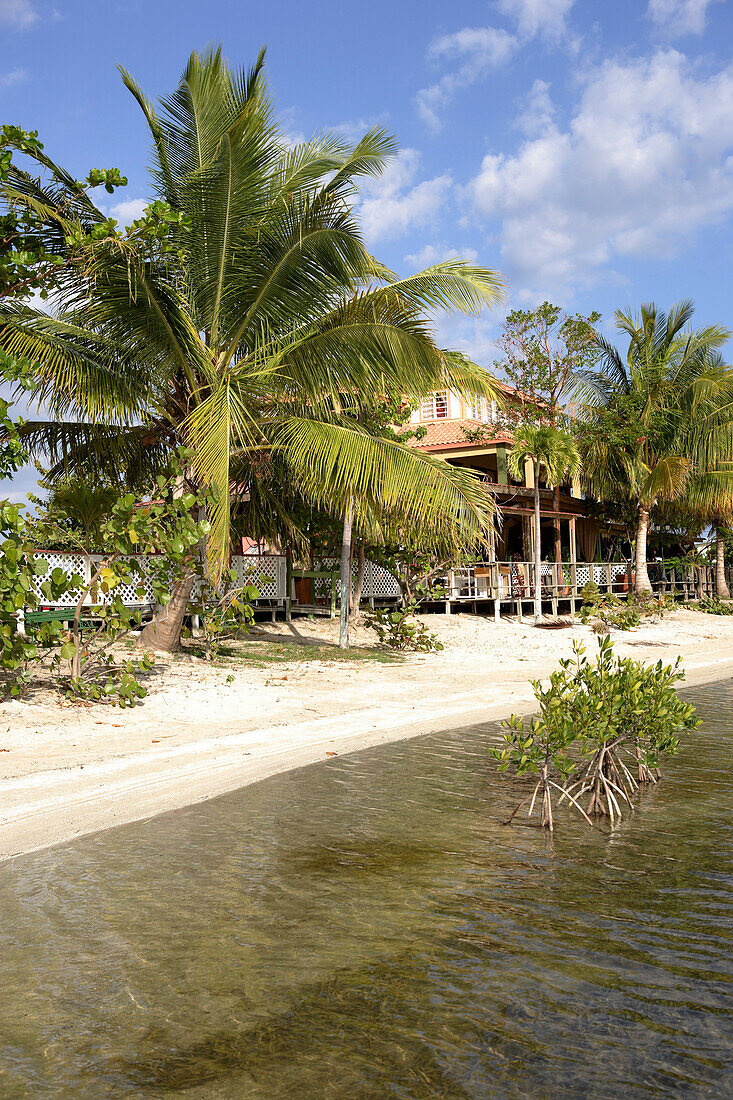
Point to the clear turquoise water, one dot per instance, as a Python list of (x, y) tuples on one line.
[(367, 928)]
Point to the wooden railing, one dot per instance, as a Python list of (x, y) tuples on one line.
[(562, 584)]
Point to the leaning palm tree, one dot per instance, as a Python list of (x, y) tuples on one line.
[(242, 318), (552, 452), (656, 417)]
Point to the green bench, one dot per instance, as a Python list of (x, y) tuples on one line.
[(59, 615)]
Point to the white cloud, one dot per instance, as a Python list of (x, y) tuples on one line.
[(679, 17), (354, 129), (646, 161), (538, 16), (479, 49), (393, 204), (127, 211), (539, 112), (19, 14), (431, 254), (474, 336), (9, 80)]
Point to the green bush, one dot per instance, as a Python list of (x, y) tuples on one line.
[(604, 725), (605, 611), (400, 629), (711, 605)]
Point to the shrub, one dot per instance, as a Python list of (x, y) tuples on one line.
[(400, 629), (618, 714), (711, 605), (224, 612), (605, 611)]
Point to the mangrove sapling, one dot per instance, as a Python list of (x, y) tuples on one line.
[(622, 714), (540, 746), (624, 708), (224, 609)]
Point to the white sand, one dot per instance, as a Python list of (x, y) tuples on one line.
[(67, 770)]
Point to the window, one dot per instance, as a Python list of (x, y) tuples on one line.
[(474, 411), (435, 407)]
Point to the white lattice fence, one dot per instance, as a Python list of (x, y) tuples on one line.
[(378, 581), (268, 573), (78, 564), (71, 564)]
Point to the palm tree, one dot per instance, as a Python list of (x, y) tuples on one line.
[(654, 417), (260, 325), (554, 452), (87, 506), (722, 590)]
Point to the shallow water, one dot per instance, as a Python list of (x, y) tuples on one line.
[(366, 928)]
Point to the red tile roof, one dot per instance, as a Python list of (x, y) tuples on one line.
[(447, 435)]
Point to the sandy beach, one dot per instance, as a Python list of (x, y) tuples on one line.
[(67, 770)]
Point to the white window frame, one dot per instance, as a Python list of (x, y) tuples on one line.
[(436, 407)]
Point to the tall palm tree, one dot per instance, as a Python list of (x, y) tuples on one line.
[(654, 416), (709, 497), (553, 452), (262, 326)]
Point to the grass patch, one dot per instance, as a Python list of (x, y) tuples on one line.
[(262, 654)]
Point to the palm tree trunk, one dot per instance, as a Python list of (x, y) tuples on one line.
[(642, 583), (537, 548), (164, 632), (346, 577), (721, 585), (359, 581)]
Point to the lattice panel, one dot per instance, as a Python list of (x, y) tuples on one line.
[(582, 573), (77, 563), (129, 591), (251, 568), (70, 563), (379, 581)]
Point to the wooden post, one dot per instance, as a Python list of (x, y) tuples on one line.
[(573, 567), (502, 476), (288, 586), (609, 577)]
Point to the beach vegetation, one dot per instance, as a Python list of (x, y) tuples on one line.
[(606, 611), (401, 629), (658, 415), (600, 733)]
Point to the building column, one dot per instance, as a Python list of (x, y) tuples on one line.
[(502, 476), (573, 566)]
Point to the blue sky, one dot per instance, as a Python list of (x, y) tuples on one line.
[(582, 147)]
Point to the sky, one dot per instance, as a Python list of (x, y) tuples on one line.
[(584, 148)]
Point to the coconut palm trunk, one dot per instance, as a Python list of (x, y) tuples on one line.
[(164, 632), (642, 583), (346, 576), (721, 585), (537, 547)]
